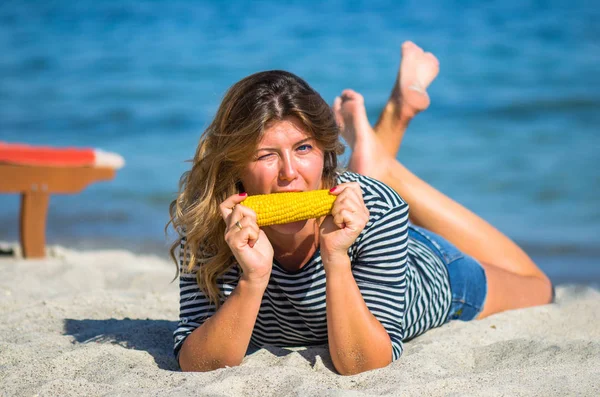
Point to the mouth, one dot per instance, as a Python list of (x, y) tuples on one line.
[(288, 191)]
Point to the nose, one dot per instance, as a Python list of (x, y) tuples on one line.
[(287, 169)]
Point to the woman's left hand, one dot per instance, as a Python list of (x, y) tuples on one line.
[(348, 218)]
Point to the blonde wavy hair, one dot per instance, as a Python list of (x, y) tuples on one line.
[(223, 152)]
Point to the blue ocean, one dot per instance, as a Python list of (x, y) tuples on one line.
[(513, 131)]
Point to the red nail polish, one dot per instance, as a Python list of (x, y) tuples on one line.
[(243, 194), (332, 189)]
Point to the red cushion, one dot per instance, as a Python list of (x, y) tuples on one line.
[(16, 153)]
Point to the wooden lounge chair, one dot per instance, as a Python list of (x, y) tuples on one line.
[(36, 172)]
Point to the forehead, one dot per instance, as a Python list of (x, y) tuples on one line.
[(290, 128)]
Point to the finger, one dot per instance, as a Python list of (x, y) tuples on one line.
[(228, 205), (243, 232), (354, 189), (249, 236), (247, 212), (244, 223), (350, 186), (252, 242), (347, 220), (346, 201), (239, 213), (247, 222), (351, 219), (355, 197), (338, 220), (348, 198)]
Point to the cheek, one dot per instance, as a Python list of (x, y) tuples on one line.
[(313, 169), (257, 178)]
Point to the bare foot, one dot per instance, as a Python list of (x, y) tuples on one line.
[(409, 96), (417, 70), (367, 150)]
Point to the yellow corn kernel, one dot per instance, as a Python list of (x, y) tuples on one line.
[(279, 208)]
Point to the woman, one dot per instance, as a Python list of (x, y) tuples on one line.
[(362, 279)]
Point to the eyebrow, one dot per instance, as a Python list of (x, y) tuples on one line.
[(295, 144)]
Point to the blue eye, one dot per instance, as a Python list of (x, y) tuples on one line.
[(304, 147)]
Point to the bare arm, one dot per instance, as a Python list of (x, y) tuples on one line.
[(357, 340), (223, 339)]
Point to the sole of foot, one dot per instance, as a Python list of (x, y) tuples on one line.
[(368, 155), (417, 70)]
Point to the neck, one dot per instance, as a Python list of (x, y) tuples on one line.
[(292, 250)]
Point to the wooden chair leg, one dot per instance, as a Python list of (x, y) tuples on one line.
[(35, 184), (34, 211)]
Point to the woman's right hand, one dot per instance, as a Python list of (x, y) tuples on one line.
[(249, 244)]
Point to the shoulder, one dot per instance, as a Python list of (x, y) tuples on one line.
[(375, 193)]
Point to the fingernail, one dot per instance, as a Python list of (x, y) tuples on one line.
[(243, 194), (332, 189)]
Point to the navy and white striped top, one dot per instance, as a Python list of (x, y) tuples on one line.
[(404, 284)]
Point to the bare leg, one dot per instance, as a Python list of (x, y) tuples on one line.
[(409, 96), (514, 280)]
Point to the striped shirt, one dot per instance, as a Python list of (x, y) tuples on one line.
[(403, 283)]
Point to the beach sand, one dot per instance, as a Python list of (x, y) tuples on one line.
[(100, 323)]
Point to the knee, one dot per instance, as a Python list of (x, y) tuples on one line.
[(508, 291), (544, 291), (550, 293)]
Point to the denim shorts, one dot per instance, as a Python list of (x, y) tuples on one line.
[(467, 277)]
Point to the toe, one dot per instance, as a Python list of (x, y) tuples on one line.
[(432, 59), (337, 103), (337, 111), (349, 94), (408, 44), (410, 49)]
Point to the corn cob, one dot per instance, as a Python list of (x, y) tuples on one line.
[(279, 208)]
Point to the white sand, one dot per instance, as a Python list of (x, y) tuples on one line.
[(100, 323)]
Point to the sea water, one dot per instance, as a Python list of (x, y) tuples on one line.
[(513, 131)]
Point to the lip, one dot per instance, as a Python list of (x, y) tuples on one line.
[(288, 191)]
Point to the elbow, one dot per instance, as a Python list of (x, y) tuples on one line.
[(349, 362), (354, 370), (355, 367), (194, 358), (345, 370), (196, 363), (549, 292), (201, 365), (349, 371)]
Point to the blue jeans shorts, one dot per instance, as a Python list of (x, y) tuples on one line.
[(467, 277)]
